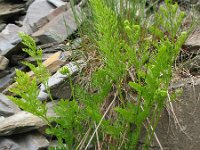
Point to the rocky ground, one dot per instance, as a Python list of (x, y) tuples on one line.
[(43, 19)]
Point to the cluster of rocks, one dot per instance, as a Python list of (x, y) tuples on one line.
[(50, 22)]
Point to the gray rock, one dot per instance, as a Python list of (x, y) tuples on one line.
[(56, 30), (184, 134), (19, 123), (3, 73), (3, 62), (1, 118), (57, 3), (28, 141), (193, 41), (36, 11), (9, 9), (9, 40), (11, 33), (7, 144), (5, 45), (28, 3), (7, 107), (62, 90), (58, 86), (43, 20), (6, 80), (43, 96), (58, 78), (50, 106), (2, 26)]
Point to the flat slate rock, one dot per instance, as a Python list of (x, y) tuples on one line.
[(3, 73), (19, 123), (9, 40), (57, 83), (5, 81), (58, 28), (36, 11), (2, 26), (11, 33), (3, 62), (57, 3), (53, 63), (27, 141), (10, 9), (185, 134), (7, 107), (193, 40), (5, 45), (58, 78), (50, 108)]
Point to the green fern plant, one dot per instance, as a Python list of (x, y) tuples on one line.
[(27, 91), (152, 58), (106, 115), (26, 87), (68, 126)]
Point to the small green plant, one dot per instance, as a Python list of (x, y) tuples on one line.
[(26, 89), (68, 126), (136, 59), (124, 44), (26, 86)]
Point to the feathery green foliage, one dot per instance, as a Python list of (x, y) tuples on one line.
[(151, 50), (26, 86), (27, 89), (137, 59), (68, 124)]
